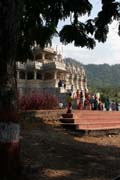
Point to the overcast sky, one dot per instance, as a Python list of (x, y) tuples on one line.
[(109, 52)]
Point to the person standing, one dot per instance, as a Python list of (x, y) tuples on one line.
[(81, 102), (107, 104), (92, 100), (100, 106), (113, 106), (117, 106), (96, 103), (69, 102)]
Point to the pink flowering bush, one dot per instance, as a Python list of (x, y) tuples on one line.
[(37, 101)]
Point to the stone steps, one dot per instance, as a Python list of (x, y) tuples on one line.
[(67, 120), (93, 120), (89, 121), (97, 126)]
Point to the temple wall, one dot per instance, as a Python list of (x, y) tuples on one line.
[(51, 68)]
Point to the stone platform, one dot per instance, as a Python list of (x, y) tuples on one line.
[(93, 122)]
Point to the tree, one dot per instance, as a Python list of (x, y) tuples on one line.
[(22, 23), (98, 27), (9, 128)]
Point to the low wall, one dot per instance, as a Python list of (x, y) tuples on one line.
[(38, 115)]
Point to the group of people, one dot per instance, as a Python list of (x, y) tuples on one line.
[(85, 101), (113, 106)]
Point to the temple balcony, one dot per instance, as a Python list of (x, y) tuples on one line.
[(60, 66), (20, 65), (34, 65), (55, 65), (50, 50), (29, 65), (38, 65)]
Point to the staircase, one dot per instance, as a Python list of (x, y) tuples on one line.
[(93, 122)]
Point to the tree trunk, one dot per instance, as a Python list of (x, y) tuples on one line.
[(9, 127)]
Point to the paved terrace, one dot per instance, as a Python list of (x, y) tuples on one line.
[(93, 122)]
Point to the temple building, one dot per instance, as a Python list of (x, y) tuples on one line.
[(48, 71)]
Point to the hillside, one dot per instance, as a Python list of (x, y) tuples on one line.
[(102, 75)]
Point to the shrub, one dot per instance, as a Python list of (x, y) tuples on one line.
[(37, 101)]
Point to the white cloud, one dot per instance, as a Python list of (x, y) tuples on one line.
[(114, 38), (102, 53)]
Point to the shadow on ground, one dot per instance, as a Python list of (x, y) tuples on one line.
[(49, 152)]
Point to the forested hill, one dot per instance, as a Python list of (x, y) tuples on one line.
[(102, 75)]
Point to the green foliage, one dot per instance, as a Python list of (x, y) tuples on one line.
[(113, 93), (39, 20), (24, 22), (76, 34), (103, 75), (102, 78), (110, 11)]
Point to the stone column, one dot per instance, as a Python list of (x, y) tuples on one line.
[(42, 76), (55, 75), (55, 79), (85, 84), (25, 75), (81, 83), (18, 74), (43, 56), (77, 82), (72, 80), (35, 74)]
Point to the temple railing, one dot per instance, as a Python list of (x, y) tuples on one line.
[(20, 65), (29, 65), (56, 65)]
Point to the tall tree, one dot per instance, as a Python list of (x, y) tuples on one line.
[(22, 23), (9, 127)]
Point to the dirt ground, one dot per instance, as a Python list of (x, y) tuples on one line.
[(50, 152)]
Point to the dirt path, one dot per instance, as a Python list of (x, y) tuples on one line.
[(49, 152)]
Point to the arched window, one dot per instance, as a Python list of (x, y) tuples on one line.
[(49, 56), (48, 76), (22, 74), (38, 56), (30, 75), (39, 75)]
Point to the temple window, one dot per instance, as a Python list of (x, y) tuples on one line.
[(48, 76), (84, 80), (39, 75), (30, 75), (38, 56), (75, 77), (49, 56), (22, 74)]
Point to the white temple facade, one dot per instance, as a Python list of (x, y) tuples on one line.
[(46, 72)]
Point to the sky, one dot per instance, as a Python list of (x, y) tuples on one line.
[(108, 52)]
